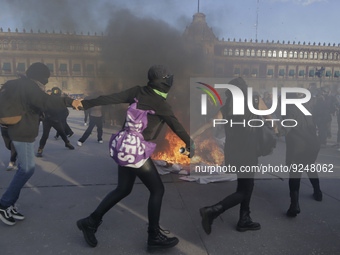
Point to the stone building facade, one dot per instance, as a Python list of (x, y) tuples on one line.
[(77, 67)]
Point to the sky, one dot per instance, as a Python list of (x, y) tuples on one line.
[(278, 20)]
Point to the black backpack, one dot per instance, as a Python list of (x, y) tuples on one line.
[(11, 105)]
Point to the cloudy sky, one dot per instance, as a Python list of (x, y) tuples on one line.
[(278, 20)]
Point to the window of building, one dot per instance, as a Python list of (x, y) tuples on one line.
[(86, 47), (248, 53), (237, 52), (315, 55), (302, 73), (291, 72), (254, 72), (270, 72), (311, 55), (64, 85), (252, 53), (321, 55), (72, 47), (311, 73), (264, 53), (285, 54), (225, 52), (242, 52), (91, 47), (301, 55), (258, 53), (0, 44), (336, 74), (281, 72), (328, 73), (237, 71), (305, 55), (295, 54), (21, 67), (269, 54), (230, 52), (291, 54), (280, 54), (63, 68), (6, 67), (76, 69), (274, 54), (331, 56), (50, 66), (325, 56)]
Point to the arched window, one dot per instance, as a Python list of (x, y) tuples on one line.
[(305, 55), (285, 54), (290, 54), (331, 56), (274, 54), (14, 45), (252, 53), (20, 45), (237, 52), (280, 54), (248, 53), (263, 53), (269, 54), (225, 52), (301, 54), (315, 55), (230, 52), (91, 47), (321, 55), (311, 54), (259, 53), (86, 47), (242, 52), (295, 54), (5, 45), (325, 56)]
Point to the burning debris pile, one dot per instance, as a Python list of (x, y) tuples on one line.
[(208, 152)]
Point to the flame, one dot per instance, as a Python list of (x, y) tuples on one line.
[(207, 151)]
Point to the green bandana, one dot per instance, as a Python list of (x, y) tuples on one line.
[(160, 93)]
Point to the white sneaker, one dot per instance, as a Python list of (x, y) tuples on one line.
[(100, 141), (11, 166), (80, 144)]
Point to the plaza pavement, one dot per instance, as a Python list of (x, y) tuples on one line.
[(68, 185)]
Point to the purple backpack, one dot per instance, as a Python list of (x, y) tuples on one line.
[(128, 147)]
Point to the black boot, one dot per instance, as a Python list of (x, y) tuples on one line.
[(246, 223), (89, 228), (294, 208), (39, 153), (69, 145), (208, 215), (317, 194), (157, 240)]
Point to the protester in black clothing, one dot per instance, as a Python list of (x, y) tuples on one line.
[(150, 97), (53, 118), (302, 148), (9, 145), (23, 134), (240, 150)]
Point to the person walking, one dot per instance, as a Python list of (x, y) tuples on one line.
[(34, 100), (302, 148), (96, 120), (53, 118), (240, 150), (148, 108)]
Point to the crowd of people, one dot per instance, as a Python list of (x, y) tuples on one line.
[(132, 146)]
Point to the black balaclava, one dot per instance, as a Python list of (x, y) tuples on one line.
[(39, 72), (160, 78)]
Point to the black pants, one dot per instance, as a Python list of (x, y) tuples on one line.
[(295, 178), (8, 143), (94, 121), (126, 177), (242, 195), (47, 125)]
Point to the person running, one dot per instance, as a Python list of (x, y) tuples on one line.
[(148, 108)]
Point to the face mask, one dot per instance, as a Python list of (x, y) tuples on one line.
[(169, 78)]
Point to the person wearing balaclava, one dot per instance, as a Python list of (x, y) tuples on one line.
[(34, 101), (240, 149), (150, 99)]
